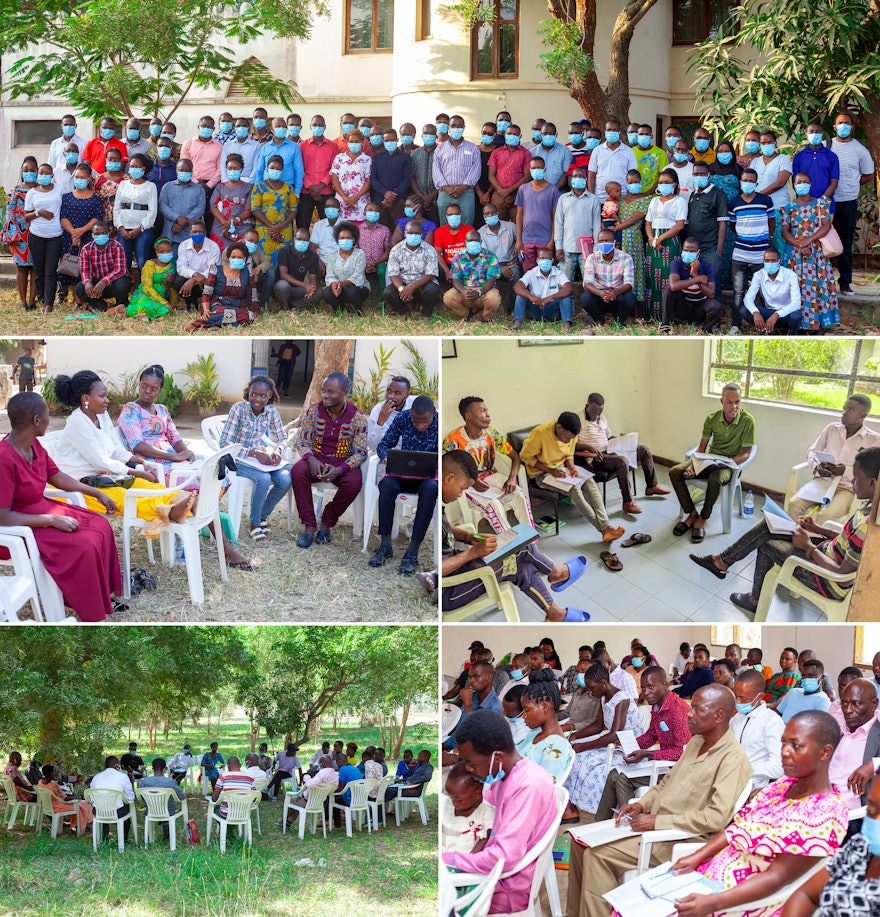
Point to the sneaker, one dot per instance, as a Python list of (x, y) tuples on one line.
[(847, 290)]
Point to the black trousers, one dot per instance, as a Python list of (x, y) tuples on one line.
[(845, 218), (45, 253), (390, 488), (623, 308), (350, 298), (427, 296), (117, 291), (195, 297), (306, 206), (678, 308)]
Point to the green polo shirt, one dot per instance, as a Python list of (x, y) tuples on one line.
[(729, 439)]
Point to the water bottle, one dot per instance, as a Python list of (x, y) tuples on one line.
[(179, 556), (749, 505)]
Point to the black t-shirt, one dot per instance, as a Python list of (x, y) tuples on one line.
[(299, 266), (25, 368), (704, 211), (131, 762)]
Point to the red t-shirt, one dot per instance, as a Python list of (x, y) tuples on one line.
[(96, 153), (451, 242)]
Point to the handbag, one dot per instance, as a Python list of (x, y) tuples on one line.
[(107, 480), (831, 244), (68, 266)]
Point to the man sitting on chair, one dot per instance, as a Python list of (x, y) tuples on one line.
[(842, 440), (161, 782), (397, 399), (180, 764), (731, 432), (234, 779), (414, 430), (478, 437), (592, 445)]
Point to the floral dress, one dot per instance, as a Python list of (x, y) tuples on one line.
[(275, 207), (231, 202), (554, 753), (105, 188), (587, 778), (353, 175), (15, 230), (771, 824), (633, 240), (233, 298), (778, 684), (151, 297), (138, 425), (815, 272)]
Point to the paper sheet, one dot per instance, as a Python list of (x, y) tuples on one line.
[(703, 460), (568, 481), (625, 445), (601, 832), (627, 739), (824, 458), (819, 490), (631, 900)]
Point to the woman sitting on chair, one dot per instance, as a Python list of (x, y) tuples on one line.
[(82, 817), (76, 546), (545, 743), (781, 832)]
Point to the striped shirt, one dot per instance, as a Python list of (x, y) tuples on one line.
[(750, 219), (457, 165), (422, 168), (245, 427), (233, 780), (847, 546)]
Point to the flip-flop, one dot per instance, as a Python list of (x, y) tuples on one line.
[(636, 539), (707, 563), (682, 527), (243, 565), (575, 616), (611, 561), (576, 568)]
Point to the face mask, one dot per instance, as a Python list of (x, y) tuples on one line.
[(689, 257), (375, 140), (390, 146), (429, 139), (487, 139), (225, 127), (491, 778), (548, 141), (671, 141), (637, 662), (347, 128), (234, 174), (455, 133), (581, 680), (331, 212), (612, 136), (71, 158), (293, 131), (454, 220), (136, 173), (197, 237), (168, 137), (537, 174), (107, 133), (413, 239), (251, 246), (346, 245), (206, 133), (802, 189), (80, 184), (237, 264), (165, 257), (871, 833), (68, 130), (768, 149), (184, 177), (771, 267), (634, 187), (701, 145), (744, 709), (29, 177), (752, 146), (665, 189), (701, 181), (443, 129), (578, 184), (473, 248), (273, 174), (592, 143), (101, 240), (114, 166), (843, 130), (632, 138), (155, 130), (279, 133), (644, 142), (724, 158), (259, 123), (680, 157), (810, 685), (133, 135), (492, 220), (44, 180), (605, 248), (300, 245), (407, 139), (241, 133), (164, 153), (575, 139), (409, 212), (502, 126), (366, 131), (372, 216), (814, 139), (748, 187), (544, 265), (355, 148)]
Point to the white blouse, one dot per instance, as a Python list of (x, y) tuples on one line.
[(142, 195), (83, 449), (663, 215)]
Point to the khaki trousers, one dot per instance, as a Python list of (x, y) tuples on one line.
[(487, 304), (838, 510)]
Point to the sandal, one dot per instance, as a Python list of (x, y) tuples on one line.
[(323, 537), (257, 533), (611, 561), (697, 535), (682, 527), (576, 569), (707, 562), (576, 616), (636, 539), (244, 565)]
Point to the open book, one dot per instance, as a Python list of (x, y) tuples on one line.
[(777, 519), (602, 832), (566, 483), (703, 460), (626, 446), (494, 483), (654, 893)]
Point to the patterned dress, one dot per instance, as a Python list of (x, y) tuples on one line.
[(814, 270), (353, 175), (848, 891), (138, 425), (15, 230), (771, 824), (275, 207), (779, 684), (587, 778), (234, 299), (554, 753), (151, 297), (80, 211), (633, 240), (106, 188), (231, 202)]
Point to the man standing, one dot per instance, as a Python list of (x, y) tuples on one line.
[(556, 156), (397, 399), (650, 159), (422, 159), (291, 157), (757, 728), (246, 147), (708, 217), (820, 163), (390, 179), (260, 121), (456, 169), (535, 213), (204, 153), (317, 153), (95, 151), (474, 273), (287, 354), (752, 216), (24, 367), (134, 142), (578, 214), (508, 170), (610, 162), (180, 203), (59, 144)]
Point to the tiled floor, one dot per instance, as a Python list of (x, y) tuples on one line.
[(658, 583)]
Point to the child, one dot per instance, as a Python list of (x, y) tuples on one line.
[(466, 818), (150, 299), (611, 208)]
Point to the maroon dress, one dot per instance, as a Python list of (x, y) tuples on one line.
[(83, 563)]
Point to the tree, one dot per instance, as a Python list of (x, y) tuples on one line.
[(114, 57), (332, 355), (783, 63)]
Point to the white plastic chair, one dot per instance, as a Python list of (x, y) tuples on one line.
[(212, 427), (800, 475), (260, 787), (403, 804), (156, 800), (239, 810), (17, 590), (47, 810), (835, 610), (310, 812), (106, 806), (475, 902), (732, 489), (359, 791), (497, 595), (377, 803), (451, 716), (29, 810)]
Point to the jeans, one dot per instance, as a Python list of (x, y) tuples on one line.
[(714, 478), (741, 272), (390, 488), (550, 313), (787, 325), (574, 261), (140, 247), (45, 253), (264, 499), (117, 291), (845, 218), (623, 308), (466, 202), (711, 256)]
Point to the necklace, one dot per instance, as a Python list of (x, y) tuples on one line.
[(30, 460)]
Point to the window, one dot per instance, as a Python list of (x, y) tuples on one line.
[(867, 644), (694, 21), (423, 20), (744, 635), (495, 42), (236, 91), (369, 25), (815, 374), (37, 133), (688, 127)]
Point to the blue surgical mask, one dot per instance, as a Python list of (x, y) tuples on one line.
[(413, 239), (101, 239), (44, 180), (133, 135), (473, 248), (605, 248), (300, 245), (511, 140), (810, 685), (442, 128), (225, 127), (273, 174), (107, 133), (701, 181), (548, 141), (592, 143), (168, 137), (390, 146), (454, 220), (771, 267), (634, 187), (234, 174), (237, 264), (407, 139), (689, 257), (544, 265), (752, 147), (537, 174), (870, 831), (748, 187), (429, 139), (645, 141), (259, 123), (251, 246), (197, 238), (768, 149), (575, 139), (80, 184), (758, 667), (355, 147), (578, 184), (665, 188), (165, 257), (375, 140), (724, 158), (745, 709), (280, 133), (637, 662), (372, 216), (331, 212), (366, 131), (242, 133), (580, 678), (843, 130), (612, 136), (155, 130), (455, 133), (680, 157), (671, 141), (536, 136), (294, 130), (814, 139), (701, 144), (502, 125), (71, 158), (492, 220), (346, 245), (801, 189), (184, 177), (487, 139), (206, 133), (68, 130), (347, 128), (114, 166), (409, 212), (517, 675), (135, 173), (632, 138), (491, 778), (164, 153)]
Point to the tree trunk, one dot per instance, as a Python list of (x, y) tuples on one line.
[(870, 122), (396, 755), (331, 356)]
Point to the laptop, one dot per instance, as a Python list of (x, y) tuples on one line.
[(403, 463)]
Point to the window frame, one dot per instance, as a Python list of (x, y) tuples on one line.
[(496, 23), (424, 20), (373, 49), (707, 21), (861, 648), (18, 143)]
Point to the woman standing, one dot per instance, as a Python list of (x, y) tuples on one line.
[(725, 174), (350, 177), (545, 743), (80, 210), (15, 234), (42, 210), (231, 204), (347, 284), (773, 170), (230, 296), (633, 207), (751, 150), (107, 184), (664, 221), (273, 207), (134, 212), (805, 221)]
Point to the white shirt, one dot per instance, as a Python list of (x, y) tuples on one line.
[(782, 294), (594, 434), (540, 285), (44, 200), (623, 681), (112, 779), (63, 177), (144, 195), (855, 161), (85, 449), (180, 762), (760, 734), (254, 771), (316, 757), (663, 215), (190, 261), (611, 165), (680, 662), (685, 174), (56, 149), (768, 173), (833, 439), (376, 432)]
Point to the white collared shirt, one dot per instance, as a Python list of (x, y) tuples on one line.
[(833, 439), (376, 432), (782, 294), (190, 261), (760, 734), (112, 779)]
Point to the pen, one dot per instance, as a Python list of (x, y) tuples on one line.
[(478, 537), (617, 812)]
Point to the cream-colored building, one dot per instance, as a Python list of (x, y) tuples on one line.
[(408, 61)]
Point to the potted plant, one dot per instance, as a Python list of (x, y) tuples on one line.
[(202, 388)]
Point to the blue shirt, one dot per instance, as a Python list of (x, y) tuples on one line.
[(249, 150), (390, 172), (181, 200), (556, 160), (209, 764), (293, 171), (161, 174), (403, 431), (490, 703), (403, 770), (346, 774), (821, 164)]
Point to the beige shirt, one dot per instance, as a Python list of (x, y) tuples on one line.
[(594, 434), (833, 439)]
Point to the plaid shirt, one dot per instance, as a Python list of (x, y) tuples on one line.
[(104, 262), (403, 431), (422, 168), (352, 441), (609, 275), (246, 428), (477, 270)]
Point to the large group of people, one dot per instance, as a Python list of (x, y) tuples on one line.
[(564, 455), (251, 209), (768, 771)]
